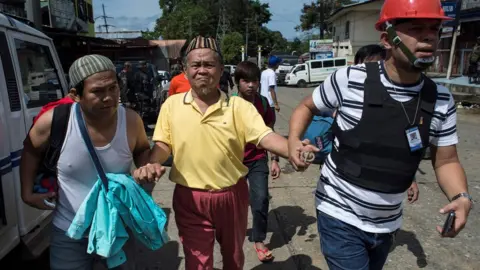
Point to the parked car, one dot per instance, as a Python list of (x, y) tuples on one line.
[(231, 68)]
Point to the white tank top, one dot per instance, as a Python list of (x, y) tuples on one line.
[(76, 171)]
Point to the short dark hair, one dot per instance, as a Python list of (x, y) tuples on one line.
[(369, 51), (247, 71), (80, 87)]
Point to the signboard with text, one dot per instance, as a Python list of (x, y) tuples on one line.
[(322, 45), (450, 8), (323, 55)]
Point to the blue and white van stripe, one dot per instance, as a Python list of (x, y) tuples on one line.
[(9, 162)]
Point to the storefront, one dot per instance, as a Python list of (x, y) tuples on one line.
[(469, 21)]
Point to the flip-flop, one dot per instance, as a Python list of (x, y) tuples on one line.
[(263, 255)]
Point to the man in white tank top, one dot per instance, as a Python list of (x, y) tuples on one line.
[(118, 136)]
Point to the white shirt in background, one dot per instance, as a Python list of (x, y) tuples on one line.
[(268, 78)]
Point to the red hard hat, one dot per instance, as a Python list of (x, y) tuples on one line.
[(410, 9)]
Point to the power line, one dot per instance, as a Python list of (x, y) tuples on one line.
[(222, 26), (104, 17)]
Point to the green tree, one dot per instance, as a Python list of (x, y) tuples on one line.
[(150, 35), (186, 21), (314, 15), (231, 45)]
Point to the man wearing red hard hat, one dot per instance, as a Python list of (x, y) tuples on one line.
[(388, 113)]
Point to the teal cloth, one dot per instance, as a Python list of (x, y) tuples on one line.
[(107, 214)]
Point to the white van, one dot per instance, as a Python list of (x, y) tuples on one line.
[(314, 71), (30, 77)]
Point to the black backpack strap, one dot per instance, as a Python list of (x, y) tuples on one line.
[(61, 115)]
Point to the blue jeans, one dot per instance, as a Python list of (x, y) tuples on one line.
[(258, 183), (346, 247)]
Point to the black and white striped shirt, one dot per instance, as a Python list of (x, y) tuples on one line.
[(367, 210)]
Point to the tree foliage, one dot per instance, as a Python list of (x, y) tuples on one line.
[(185, 19), (150, 35), (315, 14), (231, 45)]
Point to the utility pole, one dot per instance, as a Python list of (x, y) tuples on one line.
[(455, 33), (256, 29), (321, 19), (105, 17), (222, 26), (246, 38)]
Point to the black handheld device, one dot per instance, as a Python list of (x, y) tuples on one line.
[(448, 226)]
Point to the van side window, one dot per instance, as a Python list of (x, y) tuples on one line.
[(328, 63), (41, 84), (300, 68), (316, 64), (340, 62)]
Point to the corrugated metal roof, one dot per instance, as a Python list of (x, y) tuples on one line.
[(170, 48)]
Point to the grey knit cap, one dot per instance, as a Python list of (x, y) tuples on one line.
[(88, 65)]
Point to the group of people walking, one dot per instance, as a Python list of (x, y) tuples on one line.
[(386, 112)]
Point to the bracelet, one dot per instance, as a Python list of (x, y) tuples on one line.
[(275, 159)]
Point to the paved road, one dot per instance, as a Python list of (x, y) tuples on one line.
[(293, 235)]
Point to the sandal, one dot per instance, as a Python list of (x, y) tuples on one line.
[(263, 255)]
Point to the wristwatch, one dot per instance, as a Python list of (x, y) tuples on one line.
[(463, 194), (274, 158)]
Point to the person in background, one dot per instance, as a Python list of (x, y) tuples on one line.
[(375, 53), (319, 133), (126, 81), (179, 83), (370, 53), (268, 82), (247, 78), (226, 81), (142, 80), (474, 60), (207, 131)]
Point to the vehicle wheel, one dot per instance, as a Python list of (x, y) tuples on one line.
[(302, 84)]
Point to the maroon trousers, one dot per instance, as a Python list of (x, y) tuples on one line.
[(203, 216)]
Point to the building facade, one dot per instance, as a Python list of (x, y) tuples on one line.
[(353, 26), (74, 16)]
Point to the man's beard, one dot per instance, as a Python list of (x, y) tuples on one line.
[(205, 91)]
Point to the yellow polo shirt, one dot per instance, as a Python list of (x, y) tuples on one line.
[(208, 148)]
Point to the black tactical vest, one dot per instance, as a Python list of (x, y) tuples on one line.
[(375, 154)]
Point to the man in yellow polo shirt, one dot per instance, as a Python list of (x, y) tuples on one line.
[(207, 132)]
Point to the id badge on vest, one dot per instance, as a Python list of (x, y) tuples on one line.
[(414, 139)]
